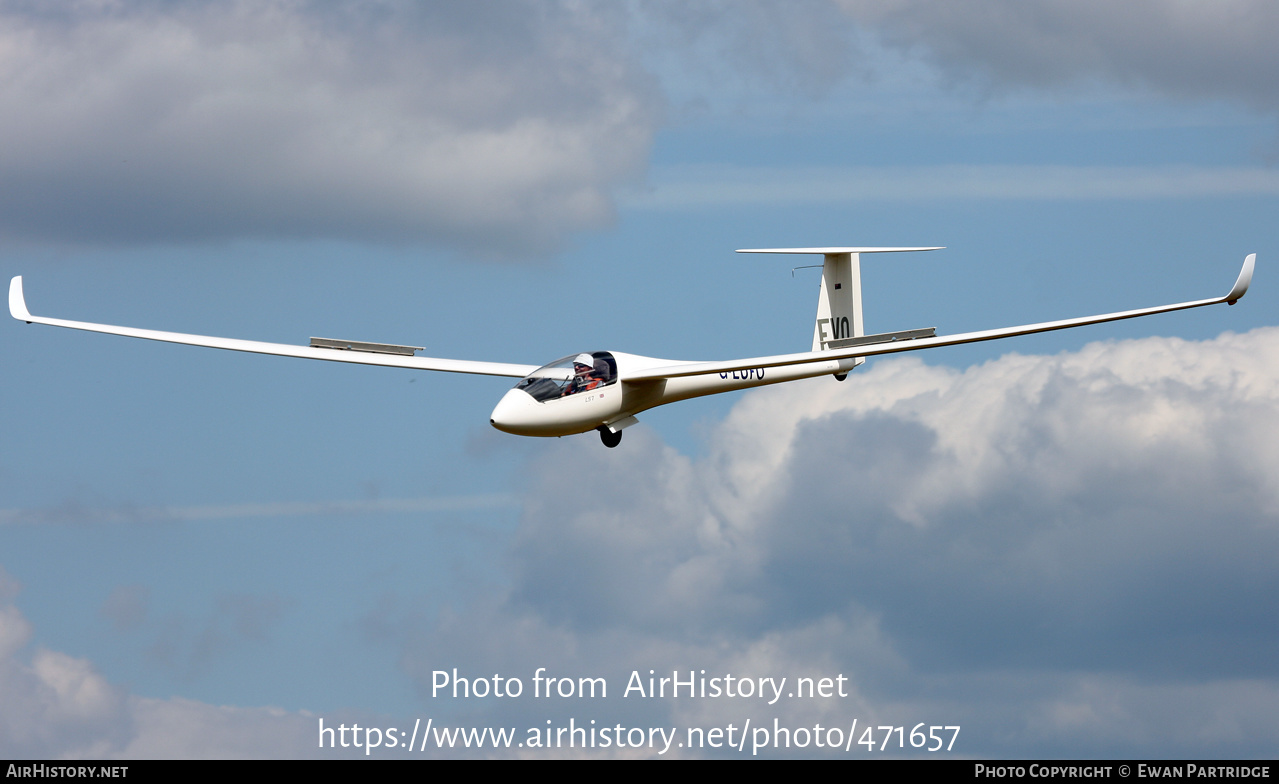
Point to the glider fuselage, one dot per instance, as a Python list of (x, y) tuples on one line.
[(565, 409)]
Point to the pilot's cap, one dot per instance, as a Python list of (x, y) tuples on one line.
[(584, 359)]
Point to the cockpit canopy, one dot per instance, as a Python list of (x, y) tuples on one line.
[(569, 376)]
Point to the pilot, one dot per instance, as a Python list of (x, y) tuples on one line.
[(584, 376)]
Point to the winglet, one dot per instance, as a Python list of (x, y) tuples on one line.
[(18, 305), (1245, 278)]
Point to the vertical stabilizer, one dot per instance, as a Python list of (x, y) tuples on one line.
[(839, 305)]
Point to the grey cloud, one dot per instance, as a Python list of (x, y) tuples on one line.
[(1103, 509), (127, 606), (74, 512), (1197, 50), (191, 644), (681, 188), (802, 46), (1234, 718), (238, 619), (619, 528), (490, 128), (1206, 51)]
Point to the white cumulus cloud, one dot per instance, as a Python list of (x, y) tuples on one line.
[(484, 127)]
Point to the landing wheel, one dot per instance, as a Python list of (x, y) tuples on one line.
[(610, 438), (841, 376)]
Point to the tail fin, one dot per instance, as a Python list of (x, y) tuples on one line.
[(839, 306)]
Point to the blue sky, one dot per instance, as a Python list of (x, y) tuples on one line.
[(1062, 543)]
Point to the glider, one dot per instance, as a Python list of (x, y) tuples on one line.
[(605, 390)]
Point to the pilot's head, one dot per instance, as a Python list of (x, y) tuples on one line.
[(583, 364)]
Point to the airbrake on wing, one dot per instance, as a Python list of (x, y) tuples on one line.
[(372, 348)]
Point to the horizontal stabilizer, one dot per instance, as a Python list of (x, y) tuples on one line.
[(825, 251)]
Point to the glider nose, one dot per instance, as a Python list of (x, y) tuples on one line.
[(514, 412)]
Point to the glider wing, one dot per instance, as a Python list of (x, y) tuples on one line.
[(897, 346), (330, 350)]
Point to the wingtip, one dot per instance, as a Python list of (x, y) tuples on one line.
[(17, 303), (1243, 281)]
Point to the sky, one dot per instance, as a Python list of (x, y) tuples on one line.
[(1062, 544)]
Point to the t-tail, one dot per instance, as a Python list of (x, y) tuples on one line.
[(839, 321)]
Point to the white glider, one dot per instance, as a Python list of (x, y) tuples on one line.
[(603, 390)]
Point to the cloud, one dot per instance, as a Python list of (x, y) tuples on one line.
[(685, 187), (1185, 50), (74, 512), (491, 129), (127, 607), (1063, 554), (501, 133), (801, 47), (189, 642), (55, 706)]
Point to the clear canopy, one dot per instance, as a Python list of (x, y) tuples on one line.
[(569, 376)]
